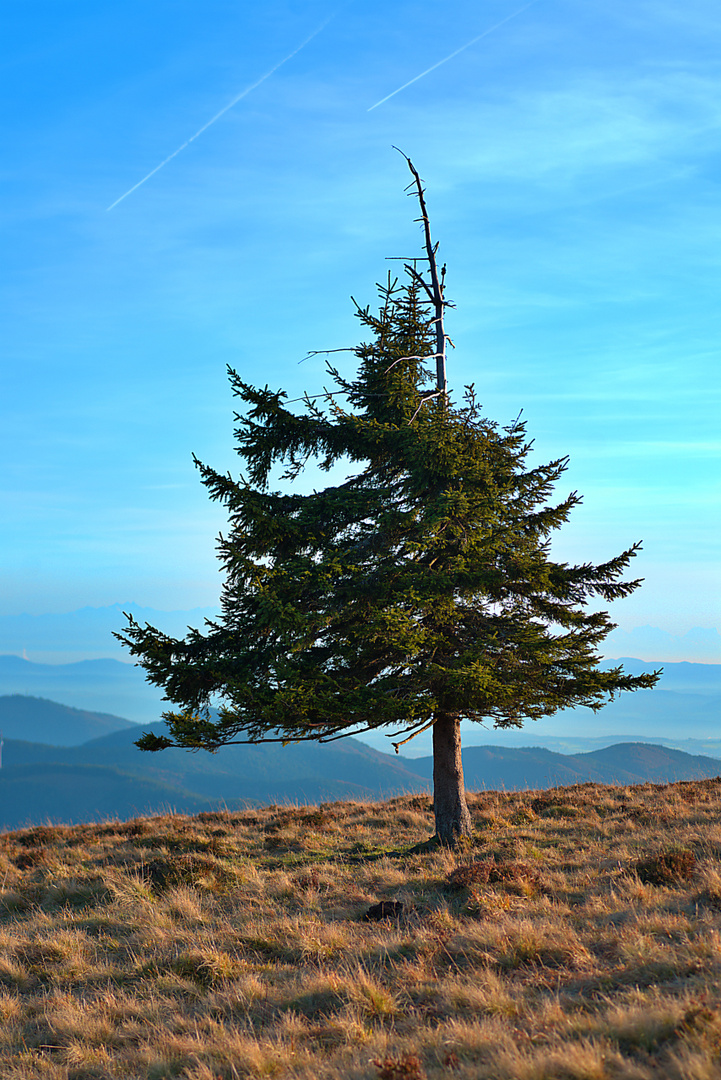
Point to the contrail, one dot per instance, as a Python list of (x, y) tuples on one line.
[(236, 99), (447, 58)]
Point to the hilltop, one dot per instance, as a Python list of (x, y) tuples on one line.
[(576, 936)]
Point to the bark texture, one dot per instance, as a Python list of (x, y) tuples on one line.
[(453, 819)]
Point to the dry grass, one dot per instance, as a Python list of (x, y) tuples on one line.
[(577, 937)]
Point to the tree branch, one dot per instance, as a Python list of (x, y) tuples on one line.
[(413, 734)]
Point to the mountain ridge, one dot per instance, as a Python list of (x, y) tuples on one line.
[(110, 777), (51, 722)]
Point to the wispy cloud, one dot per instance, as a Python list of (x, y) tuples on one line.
[(453, 54), (235, 100)]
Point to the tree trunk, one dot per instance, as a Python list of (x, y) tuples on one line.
[(449, 794)]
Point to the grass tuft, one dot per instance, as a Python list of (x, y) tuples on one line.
[(489, 871), (675, 864), (406, 1067)]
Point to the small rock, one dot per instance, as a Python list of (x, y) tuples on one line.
[(386, 909)]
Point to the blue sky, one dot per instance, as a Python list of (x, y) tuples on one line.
[(572, 160)]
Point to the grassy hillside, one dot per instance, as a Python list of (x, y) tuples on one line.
[(577, 937)]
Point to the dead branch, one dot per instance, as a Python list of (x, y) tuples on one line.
[(435, 289)]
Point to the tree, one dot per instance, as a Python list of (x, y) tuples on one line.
[(418, 592)]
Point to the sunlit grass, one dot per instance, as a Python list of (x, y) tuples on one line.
[(578, 937)]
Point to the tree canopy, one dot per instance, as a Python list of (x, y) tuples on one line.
[(419, 591)]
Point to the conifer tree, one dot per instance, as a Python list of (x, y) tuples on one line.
[(418, 592)]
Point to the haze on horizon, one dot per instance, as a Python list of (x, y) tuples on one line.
[(87, 634), (570, 161)]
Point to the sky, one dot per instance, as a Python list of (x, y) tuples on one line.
[(571, 153)]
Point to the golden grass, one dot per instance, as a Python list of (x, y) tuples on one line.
[(576, 937)]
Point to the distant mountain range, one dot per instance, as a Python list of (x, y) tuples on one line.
[(109, 777), (88, 634), (698, 645), (69, 730), (38, 720), (683, 711), (97, 685), (685, 704)]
